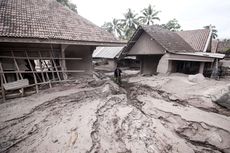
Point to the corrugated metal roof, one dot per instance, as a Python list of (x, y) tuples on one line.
[(107, 52), (195, 38)]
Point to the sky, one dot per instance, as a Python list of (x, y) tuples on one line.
[(191, 14)]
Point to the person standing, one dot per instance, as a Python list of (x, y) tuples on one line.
[(117, 75)]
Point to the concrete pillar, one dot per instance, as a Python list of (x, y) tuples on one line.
[(201, 69)]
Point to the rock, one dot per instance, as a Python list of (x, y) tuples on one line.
[(204, 126), (196, 78), (222, 97)]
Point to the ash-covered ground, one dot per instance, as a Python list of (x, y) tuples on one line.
[(156, 114)]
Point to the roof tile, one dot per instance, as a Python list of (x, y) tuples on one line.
[(47, 19)]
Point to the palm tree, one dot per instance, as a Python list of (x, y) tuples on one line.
[(149, 15), (214, 31), (130, 20), (114, 27), (129, 23)]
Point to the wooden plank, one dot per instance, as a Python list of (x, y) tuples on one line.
[(35, 78), (67, 42), (16, 84), (17, 67), (42, 73), (41, 58), (67, 71), (63, 61), (3, 75), (2, 89), (54, 63)]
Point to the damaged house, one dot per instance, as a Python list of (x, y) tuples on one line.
[(110, 58), (107, 56), (42, 42), (164, 51)]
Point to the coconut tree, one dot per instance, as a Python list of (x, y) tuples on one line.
[(214, 31), (114, 27), (129, 23), (149, 15)]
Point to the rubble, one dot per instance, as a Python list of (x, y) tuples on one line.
[(196, 78)]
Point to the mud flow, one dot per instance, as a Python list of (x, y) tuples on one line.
[(157, 114)]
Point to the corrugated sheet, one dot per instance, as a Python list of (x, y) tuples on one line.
[(47, 19), (195, 38), (107, 52)]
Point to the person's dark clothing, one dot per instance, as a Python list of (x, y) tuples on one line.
[(117, 72), (117, 75)]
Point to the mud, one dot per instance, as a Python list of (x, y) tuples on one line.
[(143, 115)]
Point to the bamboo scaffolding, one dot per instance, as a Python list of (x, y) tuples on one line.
[(54, 63), (35, 78), (40, 77)]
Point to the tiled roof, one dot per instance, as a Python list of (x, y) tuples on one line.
[(196, 38), (171, 41), (47, 19), (107, 52)]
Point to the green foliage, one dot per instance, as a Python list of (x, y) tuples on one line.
[(124, 28), (214, 31), (129, 24), (149, 15), (114, 27), (172, 25), (68, 4)]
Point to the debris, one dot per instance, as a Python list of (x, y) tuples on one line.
[(197, 78), (147, 114)]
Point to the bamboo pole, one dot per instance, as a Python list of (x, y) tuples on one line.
[(35, 78), (3, 74), (3, 80), (17, 67), (55, 66)]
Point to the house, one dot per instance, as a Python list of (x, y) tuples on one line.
[(164, 51), (45, 42), (109, 57)]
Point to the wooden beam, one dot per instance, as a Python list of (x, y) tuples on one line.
[(3, 76), (54, 63), (63, 61), (66, 42), (41, 58), (35, 78), (17, 67), (67, 71)]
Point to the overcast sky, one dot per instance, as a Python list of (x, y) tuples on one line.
[(191, 14)]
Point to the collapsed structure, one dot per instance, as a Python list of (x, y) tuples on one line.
[(43, 42), (164, 51)]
